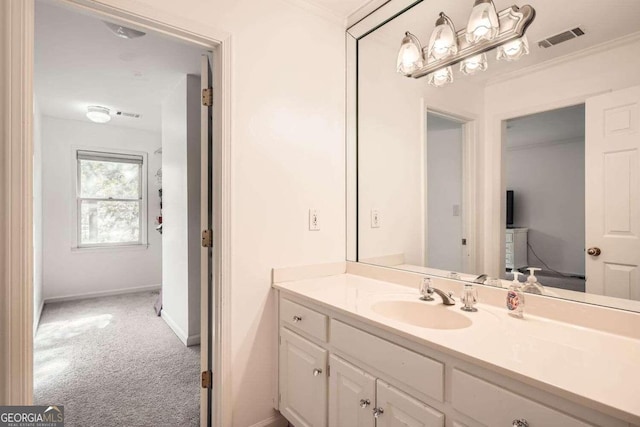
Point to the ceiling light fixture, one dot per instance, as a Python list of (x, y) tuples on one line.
[(485, 31), (98, 114), (124, 32)]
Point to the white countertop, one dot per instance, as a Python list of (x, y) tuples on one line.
[(593, 368)]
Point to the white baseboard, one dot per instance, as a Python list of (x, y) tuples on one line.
[(182, 336), (193, 340), (36, 323), (275, 421), (103, 293)]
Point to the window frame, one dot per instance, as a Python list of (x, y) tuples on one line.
[(76, 243)]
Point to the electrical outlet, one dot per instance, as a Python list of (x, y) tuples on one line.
[(375, 218), (314, 220)]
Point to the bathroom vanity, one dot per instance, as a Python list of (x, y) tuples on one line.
[(357, 351)]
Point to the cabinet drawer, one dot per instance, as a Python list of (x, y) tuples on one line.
[(494, 406), (304, 319), (509, 248), (508, 259), (413, 370), (509, 238)]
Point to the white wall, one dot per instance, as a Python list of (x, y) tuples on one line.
[(444, 190), (68, 272), (181, 209), (559, 84), (37, 215), (548, 180)]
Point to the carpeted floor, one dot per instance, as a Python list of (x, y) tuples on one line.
[(112, 362)]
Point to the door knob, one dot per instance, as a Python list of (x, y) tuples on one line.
[(364, 403), (520, 423), (317, 372), (594, 251), (377, 412)]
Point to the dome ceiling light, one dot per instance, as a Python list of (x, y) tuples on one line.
[(124, 32), (98, 114), (486, 30)]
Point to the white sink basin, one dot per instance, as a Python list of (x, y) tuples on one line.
[(422, 314)]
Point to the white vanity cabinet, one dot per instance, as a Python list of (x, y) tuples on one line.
[(338, 372), (358, 399), (303, 381)]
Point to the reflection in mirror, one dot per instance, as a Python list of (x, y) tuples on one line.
[(516, 164)]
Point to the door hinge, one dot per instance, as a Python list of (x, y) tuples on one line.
[(328, 370), (207, 379), (207, 97), (207, 238)]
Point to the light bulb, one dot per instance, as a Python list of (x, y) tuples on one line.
[(513, 50), (410, 55), (483, 23), (443, 41), (440, 77), (474, 64), (98, 114)]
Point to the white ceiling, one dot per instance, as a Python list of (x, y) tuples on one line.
[(564, 124), (340, 8), (602, 21), (79, 62)]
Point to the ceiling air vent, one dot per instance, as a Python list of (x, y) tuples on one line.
[(129, 115), (561, 37)]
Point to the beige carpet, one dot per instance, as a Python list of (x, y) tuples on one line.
[(112, 362)]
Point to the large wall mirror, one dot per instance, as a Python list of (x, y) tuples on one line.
[(530, 163)]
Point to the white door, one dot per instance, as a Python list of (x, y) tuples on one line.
[(206, 255), (352, 395), (397, 409), (612, 194), (303, 381)]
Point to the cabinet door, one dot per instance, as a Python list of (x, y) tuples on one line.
[(352, 394), (398, 409), (303, 381)]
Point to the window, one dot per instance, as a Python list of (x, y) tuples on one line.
[(111, 205)]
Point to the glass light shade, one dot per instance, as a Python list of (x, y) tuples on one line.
[(443, 41), (410, 55), (474, 64), (514, 50), (440, 77), (483, 23), (98, 114)]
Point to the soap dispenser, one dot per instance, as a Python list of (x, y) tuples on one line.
[(532, 285), (515, 297)]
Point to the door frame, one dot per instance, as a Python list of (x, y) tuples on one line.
[(469, 125), (16, 210), (494, 244)]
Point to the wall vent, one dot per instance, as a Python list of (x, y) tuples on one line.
[(561, 37), (129, 115)]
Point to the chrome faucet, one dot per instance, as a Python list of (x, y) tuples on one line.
[(481, 279), (427, 291)]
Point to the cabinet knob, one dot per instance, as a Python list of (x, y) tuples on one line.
[(520, 423), (297, 319), (594, 251), (364, 403), (317, 372), (377, 412)]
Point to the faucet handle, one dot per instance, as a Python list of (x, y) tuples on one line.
[(426, 291), (469, 298)]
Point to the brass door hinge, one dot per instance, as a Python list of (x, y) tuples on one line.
[(207, 238), (207, 97), (207, 379)]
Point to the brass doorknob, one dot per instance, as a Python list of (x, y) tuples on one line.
[(594, 251)]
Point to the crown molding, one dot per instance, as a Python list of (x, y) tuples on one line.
[(319, 10), (602, 47), (542, 144)]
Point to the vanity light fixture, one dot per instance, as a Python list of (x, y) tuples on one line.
[(513, 50), (410, 56), (474, 64), (443, 42), (486, 30), (98, 114), (483, 23)]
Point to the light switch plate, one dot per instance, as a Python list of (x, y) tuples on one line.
[(375, 218), (314, 220)]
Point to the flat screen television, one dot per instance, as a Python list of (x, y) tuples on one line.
[(509, 208)]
